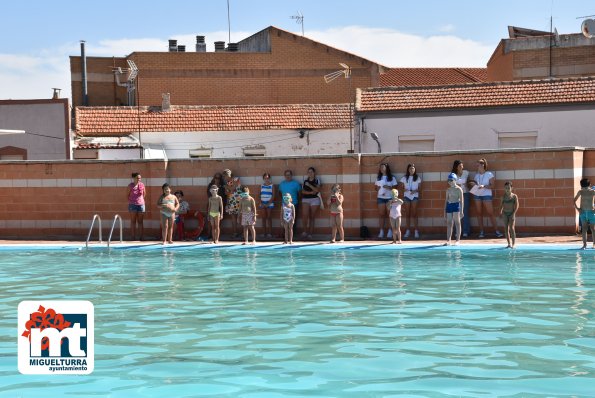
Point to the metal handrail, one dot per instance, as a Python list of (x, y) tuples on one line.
[(116, 218), (95, 217)]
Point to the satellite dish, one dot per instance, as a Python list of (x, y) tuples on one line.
[(588, 28)]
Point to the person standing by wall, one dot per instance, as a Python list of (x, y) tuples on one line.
[(293, 188), (411, 185), (384, 184), (462, 181), (232, 191), (482, 185), (310, 202), (136, 205)]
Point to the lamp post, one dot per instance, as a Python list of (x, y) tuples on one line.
[(346, 71)]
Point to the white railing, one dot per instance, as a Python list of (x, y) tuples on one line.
[(95, 217), (109, 239)]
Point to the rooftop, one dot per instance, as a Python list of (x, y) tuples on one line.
[(432, 76), (118, 121), (477, 95)]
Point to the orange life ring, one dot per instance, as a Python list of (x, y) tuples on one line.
[(194, 223)]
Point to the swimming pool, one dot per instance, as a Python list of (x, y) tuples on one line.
[(293, 322)]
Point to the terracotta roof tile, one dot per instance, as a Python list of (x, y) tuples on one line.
[(115, 121), (478, 95), (432, 76)]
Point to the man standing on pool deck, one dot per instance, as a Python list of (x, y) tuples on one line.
[(586, 210), (293, 188)]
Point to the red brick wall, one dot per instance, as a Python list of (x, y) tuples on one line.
[(43, 200), (291, 73)]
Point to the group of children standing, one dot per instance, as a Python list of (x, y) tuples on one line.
[(172, 205)]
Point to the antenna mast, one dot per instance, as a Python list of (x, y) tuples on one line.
[(299, 18), (228, 24)]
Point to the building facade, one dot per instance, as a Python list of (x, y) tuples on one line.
[(35, 129), (545, 113), (272, 66)]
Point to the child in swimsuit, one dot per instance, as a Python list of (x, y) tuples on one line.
[(183, 209), (248, 213), (287, 218), (394, 215), (508, 209), (586, 210), (453, 209), (267, 203), (168, 205), (215, 212), (335, 202)]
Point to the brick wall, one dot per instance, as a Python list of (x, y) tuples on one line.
[(58, 199), (534, 63), (291, 73)]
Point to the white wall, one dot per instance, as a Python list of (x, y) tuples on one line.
[(45, 118), (230, 143), (555, 126)]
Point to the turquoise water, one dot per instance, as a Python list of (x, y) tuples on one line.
[(245, 322)]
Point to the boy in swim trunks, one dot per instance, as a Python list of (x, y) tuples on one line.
[(287, 218), (453, 209), (215, 212), (508, 209), (586, 210), (248, 213)]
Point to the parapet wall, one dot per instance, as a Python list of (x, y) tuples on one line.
[(57, 199)]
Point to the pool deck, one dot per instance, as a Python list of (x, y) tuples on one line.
[(561, 242)]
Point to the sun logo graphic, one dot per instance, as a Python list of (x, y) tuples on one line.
[(56, 337)]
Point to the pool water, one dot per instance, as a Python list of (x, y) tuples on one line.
[(246, 322)]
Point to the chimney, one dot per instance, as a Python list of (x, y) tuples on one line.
[(56, 94), (173, 45), (165, 102), (84, 74), (201, 46), (233, 47), (181, 48), (219, 46)]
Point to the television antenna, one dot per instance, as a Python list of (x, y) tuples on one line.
[(333, 75), (588, 27), (299, 18), (130, 84)]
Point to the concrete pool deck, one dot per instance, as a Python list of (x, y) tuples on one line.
[(550, 242)]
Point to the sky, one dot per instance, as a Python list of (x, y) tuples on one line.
[(38, 36)]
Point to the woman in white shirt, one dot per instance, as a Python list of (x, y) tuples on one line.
[(411, 186), (385, 182), (481, 188), (462, 181)]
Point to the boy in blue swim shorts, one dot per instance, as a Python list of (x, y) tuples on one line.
[(586, 209), (453, 209)]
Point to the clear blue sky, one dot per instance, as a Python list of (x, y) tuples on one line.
[(39, 35)]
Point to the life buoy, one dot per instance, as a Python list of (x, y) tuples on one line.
[(194, 223)]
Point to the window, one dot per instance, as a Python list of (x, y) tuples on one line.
[(523, 139), (13, 153), (255, 150), (200, 153), (416, 143)]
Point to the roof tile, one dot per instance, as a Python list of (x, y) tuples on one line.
[(478, 95), (114, 121)]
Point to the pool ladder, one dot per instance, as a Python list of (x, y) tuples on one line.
[(109, 239)]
